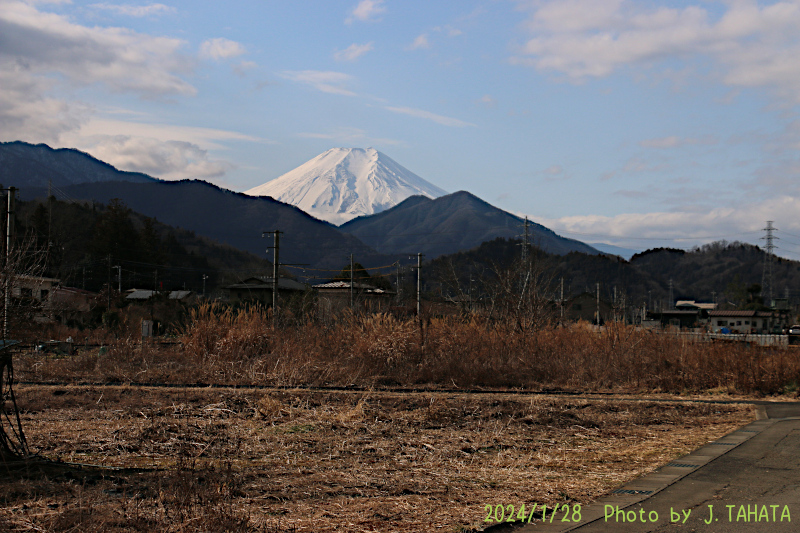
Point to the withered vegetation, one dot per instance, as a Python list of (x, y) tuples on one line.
[(281, 456), (245, 347), (209, 459)]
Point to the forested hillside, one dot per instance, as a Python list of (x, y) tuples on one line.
[(728, 273), (82, 243)]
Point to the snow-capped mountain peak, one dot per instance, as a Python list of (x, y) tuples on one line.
[(344, 183)]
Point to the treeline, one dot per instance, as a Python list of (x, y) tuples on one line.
[(728, 273), (91, 245)]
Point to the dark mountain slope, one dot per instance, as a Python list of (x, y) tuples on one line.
[(29, 165), (458, 221), (232, 218)]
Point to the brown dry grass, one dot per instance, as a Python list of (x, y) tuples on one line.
[(242, 347), (254, 460)]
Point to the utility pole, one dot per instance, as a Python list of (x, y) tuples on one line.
[(108, 293), (766, 276), (598, 303), (351, 281), (419, 286), (561, 300), (397, 296), (119, 278), (671, 295), (9, 245), (204, 285), (276, 247)]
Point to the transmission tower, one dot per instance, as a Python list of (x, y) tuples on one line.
[(769, 252)]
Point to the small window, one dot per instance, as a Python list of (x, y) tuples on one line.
[(738, 322), (722, 323), (43, 294), (746, 322)]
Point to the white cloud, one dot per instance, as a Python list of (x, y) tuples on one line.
[(439, 119), (135, 11), (325, 81), (366, 11), (170, 160), (421, 42), (678, 142), (221, 48), (352, 137), (206, 138), (487, 100), (749, 45), (123, 60), (162, 150), (26, 113), (682, 228), (352, 52)]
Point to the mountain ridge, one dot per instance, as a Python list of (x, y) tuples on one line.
[(42, 166), (418, 224)]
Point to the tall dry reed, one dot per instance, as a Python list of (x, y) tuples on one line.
[(245, 346)]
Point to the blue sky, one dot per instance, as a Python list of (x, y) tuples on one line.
[(636, 123)]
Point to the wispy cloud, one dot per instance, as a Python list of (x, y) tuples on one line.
[(487, 100), (366, 11), (678, 142), (684, 227), (353, 52), (427, 115), (351, 136), (421, 42), (325, 81), (135, 11), (221, 48), (749, 44)]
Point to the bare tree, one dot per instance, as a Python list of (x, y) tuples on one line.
[(524, 292)]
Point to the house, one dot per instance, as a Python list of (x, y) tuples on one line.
[(70, 305), (33, 287), (334, 296), (688, 314), (746, 321), (685, 318), (585, 307), (259, 289)]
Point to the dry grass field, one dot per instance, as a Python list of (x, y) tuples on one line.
[(125, 443), (216, 459)]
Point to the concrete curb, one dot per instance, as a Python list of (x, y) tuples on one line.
[(642, 488)]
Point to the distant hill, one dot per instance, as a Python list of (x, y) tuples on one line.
[(232, 218), (445, 225), (36, 165), (728, 273), (79, 240)]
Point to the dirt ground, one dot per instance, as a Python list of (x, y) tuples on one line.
[(200, 459)]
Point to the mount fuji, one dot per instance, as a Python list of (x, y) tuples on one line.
[(344, 183)]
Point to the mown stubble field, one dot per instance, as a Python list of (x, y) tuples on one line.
[(217, 459)]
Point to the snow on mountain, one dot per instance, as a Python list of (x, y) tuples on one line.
[(345, 183)]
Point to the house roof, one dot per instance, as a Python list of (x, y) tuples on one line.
[(698, 305), (144, 294), (741, 313), (259, 283), (344, 285)]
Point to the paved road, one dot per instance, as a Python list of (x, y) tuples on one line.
[(748, 481)]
